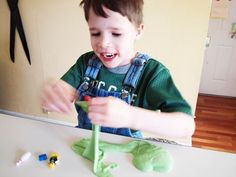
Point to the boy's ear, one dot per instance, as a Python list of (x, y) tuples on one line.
[(139, 31)]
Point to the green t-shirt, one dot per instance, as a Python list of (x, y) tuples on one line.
[(155, 90)]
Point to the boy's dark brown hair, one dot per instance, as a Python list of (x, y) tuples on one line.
[(132, 9)]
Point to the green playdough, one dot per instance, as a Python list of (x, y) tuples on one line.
[(83, 105), (146, 157), (92, 150)]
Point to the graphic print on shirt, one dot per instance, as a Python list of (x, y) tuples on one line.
[(111, 88)]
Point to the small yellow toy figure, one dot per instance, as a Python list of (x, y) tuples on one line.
[(53, 160)]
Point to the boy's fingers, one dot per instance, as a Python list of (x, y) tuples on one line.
[(61, 98), (96, 118), (100, 100), (51, 108), (96, 108), (53, 99), (55, 108)]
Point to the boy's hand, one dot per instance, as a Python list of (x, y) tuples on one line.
[(110, 112), (57, 96)]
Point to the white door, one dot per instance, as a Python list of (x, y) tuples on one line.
[(219, 68)]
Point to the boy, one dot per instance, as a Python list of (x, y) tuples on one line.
[(127, 88)]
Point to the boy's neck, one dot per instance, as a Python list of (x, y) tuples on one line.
[(120, 69)]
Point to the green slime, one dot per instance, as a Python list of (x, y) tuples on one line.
[(83, 105), (92, 149), (146, 157)]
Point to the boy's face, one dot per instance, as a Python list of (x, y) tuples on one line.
[(113, 38)]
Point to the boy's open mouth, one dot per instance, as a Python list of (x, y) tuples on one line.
[(108, 56)]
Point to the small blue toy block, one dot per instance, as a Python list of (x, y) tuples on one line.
[(43, 157)]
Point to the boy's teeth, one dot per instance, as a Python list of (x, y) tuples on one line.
[(108, 55)]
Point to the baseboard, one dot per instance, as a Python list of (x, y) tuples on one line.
[(216, 96)]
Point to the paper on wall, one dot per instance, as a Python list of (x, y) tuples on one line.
[(220, 9)]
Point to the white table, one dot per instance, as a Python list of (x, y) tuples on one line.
[(19, 135)]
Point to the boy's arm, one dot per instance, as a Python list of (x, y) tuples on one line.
[(113, 112), (58, 96), (173, 124)]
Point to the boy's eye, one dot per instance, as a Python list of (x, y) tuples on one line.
[(95, 34), (116, 34)]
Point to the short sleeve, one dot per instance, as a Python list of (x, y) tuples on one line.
[(75, 74), (163, 94)]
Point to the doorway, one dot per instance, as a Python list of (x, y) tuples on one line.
[(219, 67), (216, 104)]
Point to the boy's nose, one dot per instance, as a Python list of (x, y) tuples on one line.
[(104, 42)]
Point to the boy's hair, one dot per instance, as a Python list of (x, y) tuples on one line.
[(132, 9)]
